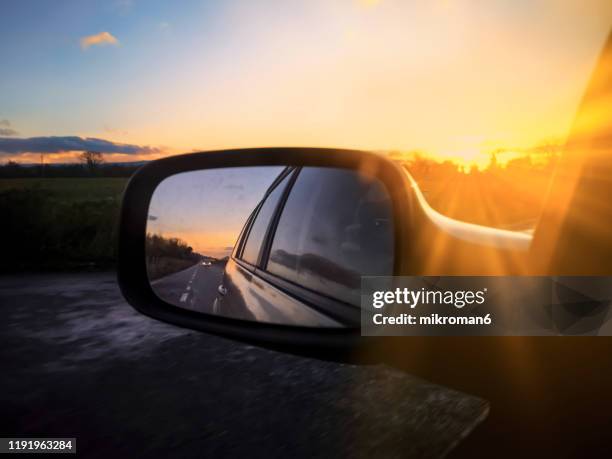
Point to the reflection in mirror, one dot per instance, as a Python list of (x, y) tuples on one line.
[(270, 244)]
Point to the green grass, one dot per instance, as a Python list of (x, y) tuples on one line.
[(59, 223), (69, 189)]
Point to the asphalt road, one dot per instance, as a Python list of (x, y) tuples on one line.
[(193, 288), (77, 361)]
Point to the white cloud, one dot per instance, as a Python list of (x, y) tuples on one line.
[(100, 39)]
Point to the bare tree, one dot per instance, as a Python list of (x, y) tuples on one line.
[(91, 160)]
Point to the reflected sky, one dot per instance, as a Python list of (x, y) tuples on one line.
[(208, 208)]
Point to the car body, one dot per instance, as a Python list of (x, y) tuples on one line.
[(316, 231)]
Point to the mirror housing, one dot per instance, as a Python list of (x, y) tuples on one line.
[(132, 270)]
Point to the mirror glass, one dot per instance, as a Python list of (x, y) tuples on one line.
[(277, 244)]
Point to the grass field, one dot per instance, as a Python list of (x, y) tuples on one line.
[(69, 189), (59, 223)]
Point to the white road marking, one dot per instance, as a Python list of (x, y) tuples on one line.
[(184, 297), (161, 279)]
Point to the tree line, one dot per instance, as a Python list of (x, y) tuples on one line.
[(158, 246), (91, 164), (165, 256)]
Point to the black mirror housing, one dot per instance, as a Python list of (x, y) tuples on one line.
[(132, 272)]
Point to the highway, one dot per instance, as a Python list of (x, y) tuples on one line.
[(193, 288)]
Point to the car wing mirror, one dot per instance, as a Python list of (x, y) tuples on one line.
[(264, 245)]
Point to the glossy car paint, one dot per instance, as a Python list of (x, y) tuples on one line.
[(250, 297)]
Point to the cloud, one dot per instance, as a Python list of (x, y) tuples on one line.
[(11, 146), (5, 128), (101, 39)]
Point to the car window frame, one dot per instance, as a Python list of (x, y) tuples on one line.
[(246, 232), (237, 253), (273, 225)]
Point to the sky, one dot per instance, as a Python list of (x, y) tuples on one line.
[(208, 208), (144, 79)]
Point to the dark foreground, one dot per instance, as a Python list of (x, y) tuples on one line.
[(77, 361)]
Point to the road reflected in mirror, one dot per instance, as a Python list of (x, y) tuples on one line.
[(270, 244)]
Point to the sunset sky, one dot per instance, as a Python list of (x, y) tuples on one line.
[(208, 208), (456, 79)]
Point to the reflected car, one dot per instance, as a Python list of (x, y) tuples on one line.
[(301, 254)]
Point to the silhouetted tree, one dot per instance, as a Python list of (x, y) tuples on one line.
[(91, 160), (12, 166)]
